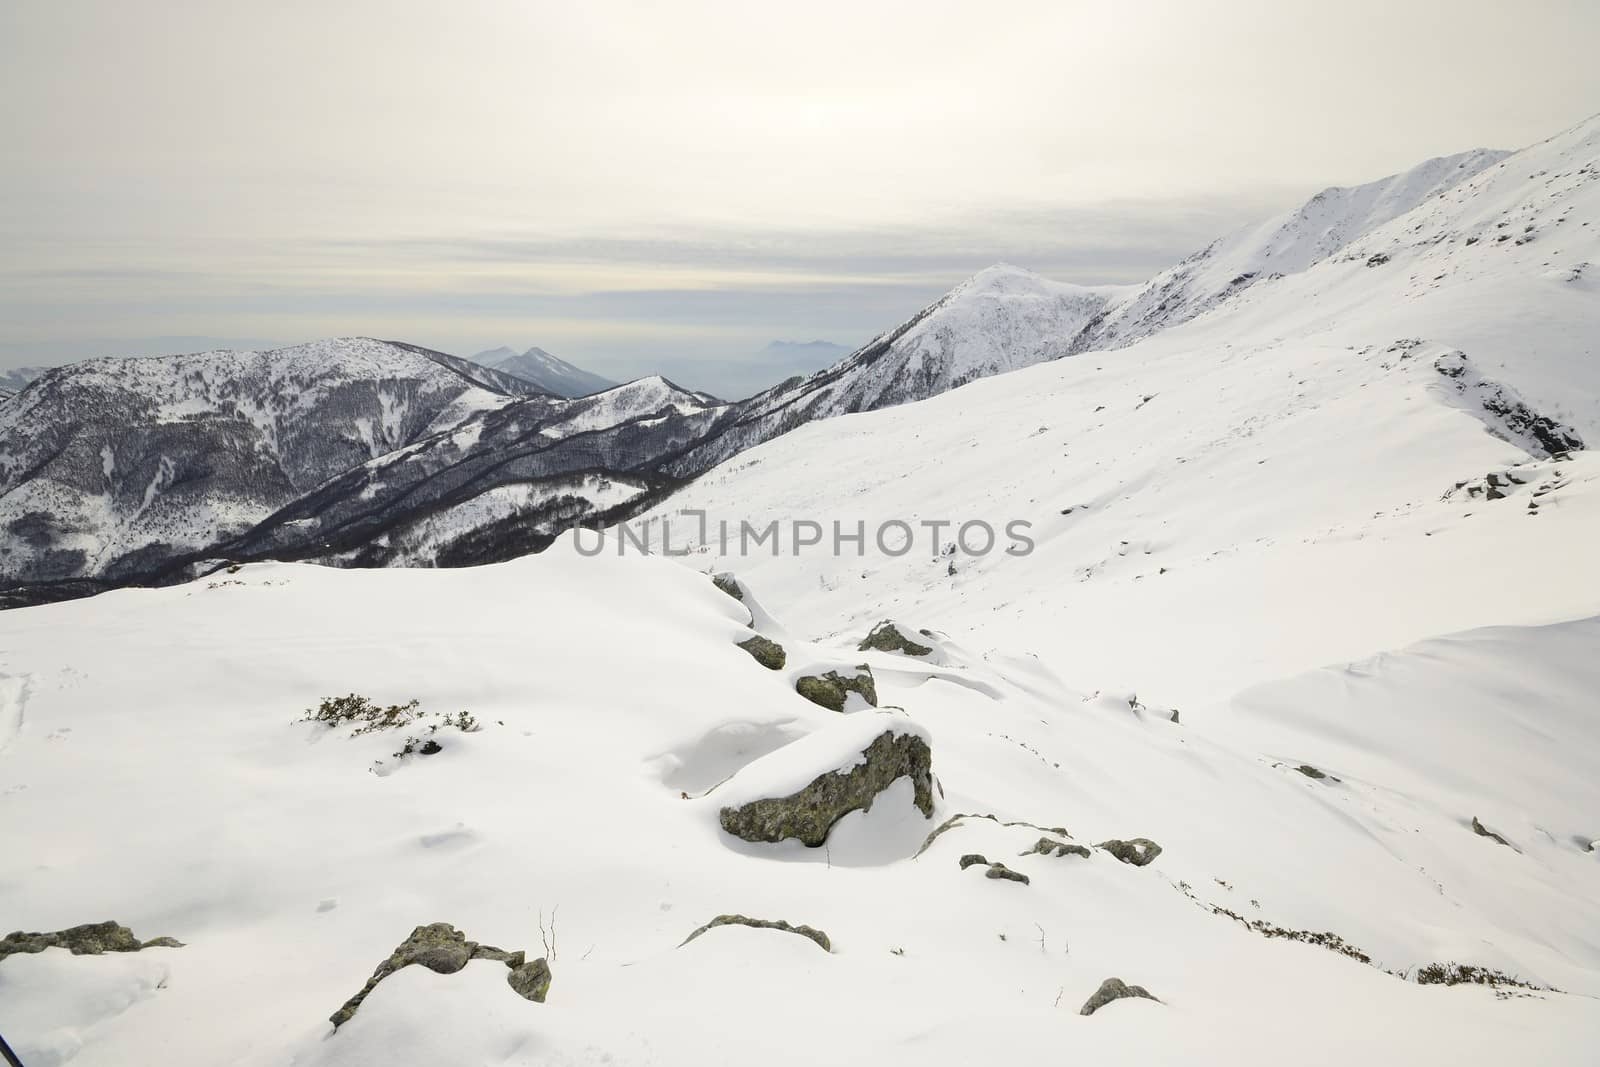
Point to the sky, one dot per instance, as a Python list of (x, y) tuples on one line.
[(647, 187)]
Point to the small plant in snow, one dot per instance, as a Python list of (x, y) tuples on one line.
[(368, 717)]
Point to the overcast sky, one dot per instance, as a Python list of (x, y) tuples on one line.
[(668, 186)]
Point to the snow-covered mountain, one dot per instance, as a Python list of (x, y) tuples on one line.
[(1263, 252), (498, 484), (540, 368), (999, 320), (1400, 423), (110, 467), (14, 380), (1287, 715)]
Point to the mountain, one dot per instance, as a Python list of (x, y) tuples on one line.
[(1282, 711), (999, 320), (1383, 447), (13, 381), (500, 483), (545, 371), (110, 467), (1283, 245)]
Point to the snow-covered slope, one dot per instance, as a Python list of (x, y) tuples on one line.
[(1348, 460), (1286, 244), (549, 373), (1288, 717), (999, 320), (110, 466), (581, 822)]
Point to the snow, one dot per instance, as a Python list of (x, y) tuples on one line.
[(1259, 550)]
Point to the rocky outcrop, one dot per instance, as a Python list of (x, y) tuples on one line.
[(728, 584), (443, 949), (1138, 851), (764, 924), (768, 653), (90, 939), (885, 637), (972, 858), (1001, 872), (1114, 989), (809, 814), (956, 820), (1483, 831), (1046, 846), (831, 690)]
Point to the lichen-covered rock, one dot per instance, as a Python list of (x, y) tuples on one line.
[(832, 689), (769, 654), (531, 980), (443, 949), (809, 814), (1046, 846), (90, 939), (1001, 871), (885, 637), (1138, 851), (728, 584), (971, 858), (1114, 989), (764, 924)]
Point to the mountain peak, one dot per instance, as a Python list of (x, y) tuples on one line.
[(540, 368)]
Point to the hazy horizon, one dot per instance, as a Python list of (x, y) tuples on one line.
[(605, 183)]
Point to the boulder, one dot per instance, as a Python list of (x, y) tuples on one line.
[(764, 924), (1114, 989), (1001, 871), (90, 939), (1049, 847), (530, 980), (1138, 851), (443, 949), (808, 815), (769, 654), (885, 637), (971, 858), (832, 689)]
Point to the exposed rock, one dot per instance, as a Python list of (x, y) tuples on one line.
[(886, 638), (1000, 870), (90, 939), (1483, 831), (531, 980), (764, 924), (728, 584), (769, 654), (955, 820), (1048, 847), (809, 814), (1310, 771), (1138, 851), (1114, 989), (972, 857), (443, 949), (831, 690)]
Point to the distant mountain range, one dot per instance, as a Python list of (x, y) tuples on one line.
[(364, 452), (548, 372)]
